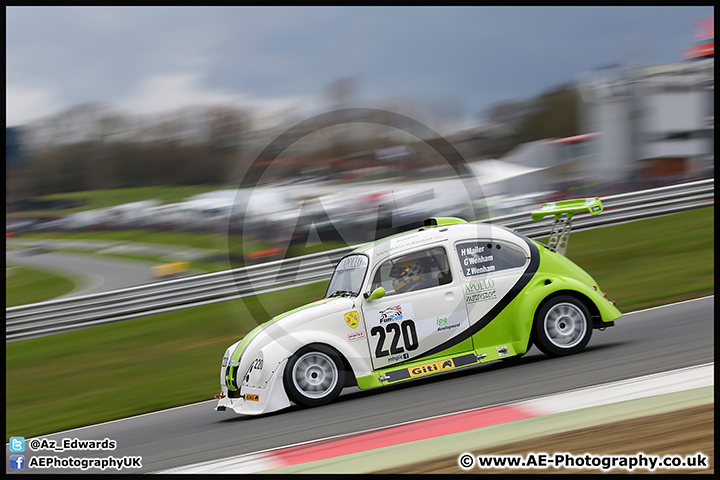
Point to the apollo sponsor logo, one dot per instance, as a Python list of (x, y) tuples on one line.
[(431, 368), (350, 263), (479, 285), (481, 297), (480, 291)]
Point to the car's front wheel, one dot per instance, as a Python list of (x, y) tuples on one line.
[(562, 326), (314, 376)]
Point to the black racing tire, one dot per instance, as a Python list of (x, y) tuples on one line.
[(562, 326), (314, 376)]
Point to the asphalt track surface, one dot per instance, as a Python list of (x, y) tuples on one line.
[(642, 343), (92, 273)]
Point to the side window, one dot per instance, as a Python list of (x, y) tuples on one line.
[(484, 256), (416, 271)]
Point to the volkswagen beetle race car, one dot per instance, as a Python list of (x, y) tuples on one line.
[(446, 296)]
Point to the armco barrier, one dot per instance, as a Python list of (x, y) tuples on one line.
[(56, 316)]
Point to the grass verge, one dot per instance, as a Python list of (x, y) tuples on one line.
[(30, 285)]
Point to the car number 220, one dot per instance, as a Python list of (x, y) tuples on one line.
[(395, 332)]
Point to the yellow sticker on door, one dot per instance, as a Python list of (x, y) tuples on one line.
[(352, 319)]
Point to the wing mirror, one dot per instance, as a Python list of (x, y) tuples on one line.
[(376, 294)]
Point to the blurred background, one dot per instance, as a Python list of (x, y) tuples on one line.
[(152, 129)]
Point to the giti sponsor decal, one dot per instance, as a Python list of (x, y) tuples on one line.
[(480, 291), (251, 397), (352, 319), (431, 368)]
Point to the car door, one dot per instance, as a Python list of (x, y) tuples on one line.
[(490, 268), (422, 310)]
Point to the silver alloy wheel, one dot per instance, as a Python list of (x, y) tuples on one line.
[(315, 375), (565, 325)]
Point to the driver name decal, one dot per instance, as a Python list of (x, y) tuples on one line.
[(476, 259), (479, 257)]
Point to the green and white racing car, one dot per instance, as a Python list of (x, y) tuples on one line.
[(446, 296)]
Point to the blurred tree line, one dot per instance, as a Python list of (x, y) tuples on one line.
[(92, 146), (509, 123)]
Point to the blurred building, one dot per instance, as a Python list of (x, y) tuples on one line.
[(655, 124), (554, 164)]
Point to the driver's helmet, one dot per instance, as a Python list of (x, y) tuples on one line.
[(409, 275)]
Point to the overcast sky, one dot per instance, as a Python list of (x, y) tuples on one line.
[(154, 59)]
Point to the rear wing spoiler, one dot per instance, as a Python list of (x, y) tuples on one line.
[(560, 233)]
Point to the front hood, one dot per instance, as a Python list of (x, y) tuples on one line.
[(277, 328)]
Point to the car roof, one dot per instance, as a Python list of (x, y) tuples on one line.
[(418, 239)]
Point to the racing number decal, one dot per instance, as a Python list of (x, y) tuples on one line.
[(405, 330)]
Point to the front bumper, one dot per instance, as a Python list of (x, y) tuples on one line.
[(256, 401)]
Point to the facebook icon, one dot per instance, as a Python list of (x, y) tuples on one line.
[(17, 462)]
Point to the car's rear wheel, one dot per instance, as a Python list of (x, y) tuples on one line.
[(314, 376), (562, 326)]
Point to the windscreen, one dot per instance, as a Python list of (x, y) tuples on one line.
[(348, 276)]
